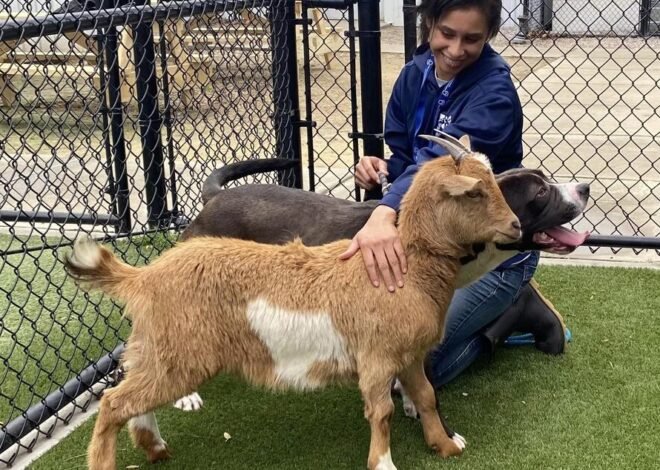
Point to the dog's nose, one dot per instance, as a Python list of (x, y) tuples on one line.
[(583, 190)]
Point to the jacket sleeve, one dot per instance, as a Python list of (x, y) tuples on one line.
[(489, 121), (396, 128)]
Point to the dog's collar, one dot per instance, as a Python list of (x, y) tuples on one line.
[(476, 249)]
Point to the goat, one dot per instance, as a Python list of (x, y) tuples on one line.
[(293, 316)]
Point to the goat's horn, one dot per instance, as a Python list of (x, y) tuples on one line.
[(452, 139), (457, 152)]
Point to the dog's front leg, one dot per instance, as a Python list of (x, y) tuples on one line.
[(414, 381)]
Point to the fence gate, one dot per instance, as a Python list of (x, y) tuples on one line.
[(337, 83)]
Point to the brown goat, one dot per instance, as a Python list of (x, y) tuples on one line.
[(295, 317)]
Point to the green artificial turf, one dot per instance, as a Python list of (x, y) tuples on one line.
[(49, 328), (597, 406)]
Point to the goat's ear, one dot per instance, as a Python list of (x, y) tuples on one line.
[(465, 140), (459, 185)]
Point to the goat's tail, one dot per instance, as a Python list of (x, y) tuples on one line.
[(95, 266), (233, 171)]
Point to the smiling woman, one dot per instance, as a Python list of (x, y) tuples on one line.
[(455, 83)]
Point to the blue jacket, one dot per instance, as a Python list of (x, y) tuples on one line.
[(482, 103)]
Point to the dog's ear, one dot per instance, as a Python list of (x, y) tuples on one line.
[(465, 140), (460, 185)]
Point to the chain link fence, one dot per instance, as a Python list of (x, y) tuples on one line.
[(587, 74), (112, 114)]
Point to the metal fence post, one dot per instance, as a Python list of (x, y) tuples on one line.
[(150, 123), (120, 188), (286, 115), (371, 88), (409, 28)]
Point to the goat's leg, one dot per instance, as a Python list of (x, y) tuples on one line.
[(421, 392), (146, 436), (378, 409), (134, 396)]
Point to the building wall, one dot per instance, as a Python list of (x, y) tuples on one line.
[(596, 17)]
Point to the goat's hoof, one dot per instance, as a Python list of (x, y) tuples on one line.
[(451, 447), (192, 402), (459, 440), (159, 453)]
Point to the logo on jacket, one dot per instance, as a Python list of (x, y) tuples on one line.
[(443, 121)]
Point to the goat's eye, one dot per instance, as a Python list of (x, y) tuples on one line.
[(542, 192), (475, 193)]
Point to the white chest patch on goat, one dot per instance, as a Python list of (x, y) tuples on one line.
[(296, 340)]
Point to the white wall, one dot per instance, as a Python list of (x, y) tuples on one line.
[(391, 11), (595, 16), (511, 9)]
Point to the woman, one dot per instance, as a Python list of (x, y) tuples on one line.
[(457, 83)]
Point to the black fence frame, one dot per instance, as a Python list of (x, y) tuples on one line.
[(105, 16), (289, 124)]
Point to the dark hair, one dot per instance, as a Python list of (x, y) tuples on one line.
[(431, 10)]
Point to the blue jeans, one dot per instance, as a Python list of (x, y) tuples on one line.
[(472, 309)]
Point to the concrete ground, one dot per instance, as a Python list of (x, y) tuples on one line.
[(592, 113)]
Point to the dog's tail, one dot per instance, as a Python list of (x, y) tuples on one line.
[(233, 171), (95, 266)]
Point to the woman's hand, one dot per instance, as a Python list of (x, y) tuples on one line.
[(367, 169), (381, 248)]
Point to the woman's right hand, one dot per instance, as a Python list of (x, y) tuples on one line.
[(366, 171), (381, 248)]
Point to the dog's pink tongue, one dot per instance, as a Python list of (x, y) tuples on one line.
[(567, 236)]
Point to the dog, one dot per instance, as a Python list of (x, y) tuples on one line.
[(277, 214), (293, 316)]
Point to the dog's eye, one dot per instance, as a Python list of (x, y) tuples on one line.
[(542, 192)]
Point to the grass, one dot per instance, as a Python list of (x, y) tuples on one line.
[(49, 329), (597, 406)]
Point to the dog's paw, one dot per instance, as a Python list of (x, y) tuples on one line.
[(192, 402), (409, 407)]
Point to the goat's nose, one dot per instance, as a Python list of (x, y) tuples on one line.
[(516, 225), (583, 190)]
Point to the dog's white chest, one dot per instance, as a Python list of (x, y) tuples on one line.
[(297, 340)]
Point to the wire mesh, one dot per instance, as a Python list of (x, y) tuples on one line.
[(114, 112), (587, 75), (112, 115)]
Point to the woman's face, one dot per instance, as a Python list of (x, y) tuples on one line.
[(457, 39)]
